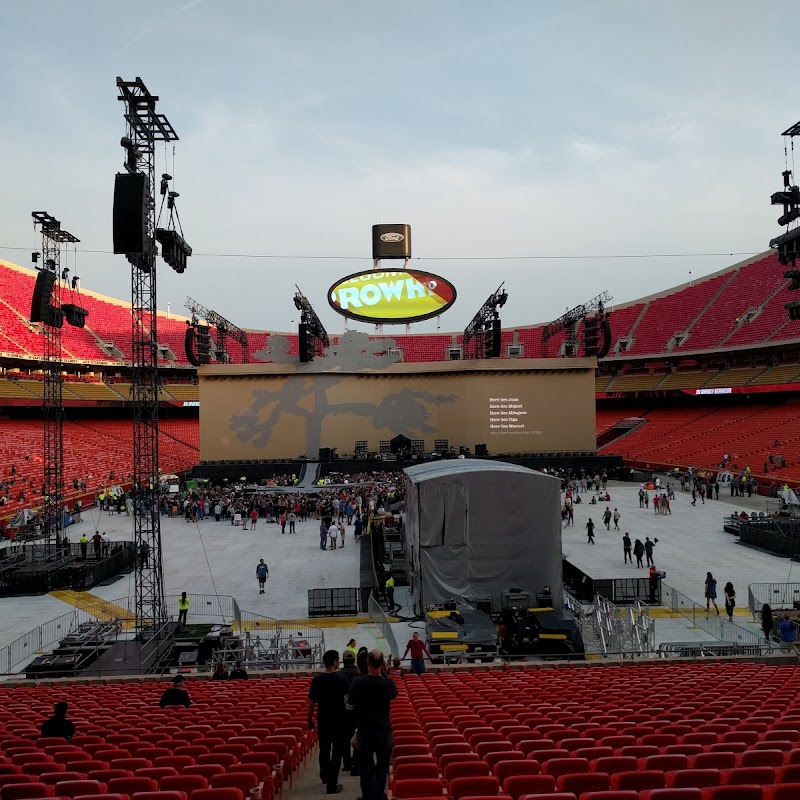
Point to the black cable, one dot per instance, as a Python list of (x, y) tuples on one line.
[(593, 257)]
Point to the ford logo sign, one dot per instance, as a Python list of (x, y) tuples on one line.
[(392, 237)]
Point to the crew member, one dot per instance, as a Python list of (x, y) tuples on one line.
[(183, 609)]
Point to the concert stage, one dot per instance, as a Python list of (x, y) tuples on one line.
[(37, 568)]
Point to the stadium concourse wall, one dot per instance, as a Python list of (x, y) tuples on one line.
[(279, 411)]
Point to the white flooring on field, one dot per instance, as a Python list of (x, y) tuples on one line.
[(217, 558), (691, 542)]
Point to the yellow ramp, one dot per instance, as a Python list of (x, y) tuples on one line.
[(92, 604)]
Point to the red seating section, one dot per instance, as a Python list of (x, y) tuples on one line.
[(127, 733), (673, 313), (92, 450), (533, 724), (700, 436)]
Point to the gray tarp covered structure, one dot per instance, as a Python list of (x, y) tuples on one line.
[(475, 528)]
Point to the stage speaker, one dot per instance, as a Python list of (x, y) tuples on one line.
[(42, 292), (605, 332), (303, 338), (391, 241), (492, 339), (325, 455), (131, 200), (481, 450)]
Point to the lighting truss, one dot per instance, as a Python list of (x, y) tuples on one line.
[(474, 339), (225, 328)]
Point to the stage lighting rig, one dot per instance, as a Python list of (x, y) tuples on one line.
[(225, 329), (788, 243), (482, 337), (134, 235), (313, 338), (596, 325), (48, 309)]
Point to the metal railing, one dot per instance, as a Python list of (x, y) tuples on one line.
[(205, 607), (266, 643), (718, 626), (283, 636), (53, 631), (333, 602), (379, 618), (641, 629), (778, 595)]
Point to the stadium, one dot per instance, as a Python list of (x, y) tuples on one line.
[(539, 554)]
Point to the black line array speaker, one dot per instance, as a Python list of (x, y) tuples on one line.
[(492, 339), (325, 455), (303, 341), (391, 241), (42, 292), (481, 450), (131, 198)]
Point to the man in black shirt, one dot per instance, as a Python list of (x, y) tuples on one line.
[(238, 673), (176, 695), (369, 699), (350, 671), (328, 692), (58, 724)]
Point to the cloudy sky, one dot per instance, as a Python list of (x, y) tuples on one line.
[(497, 130)]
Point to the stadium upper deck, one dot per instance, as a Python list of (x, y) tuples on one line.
[(740, 307)]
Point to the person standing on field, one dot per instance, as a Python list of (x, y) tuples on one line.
[(262, 573)]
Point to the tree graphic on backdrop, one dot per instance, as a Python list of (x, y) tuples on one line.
[(404, 412)]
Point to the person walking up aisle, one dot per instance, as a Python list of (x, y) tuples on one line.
[(328, 692), (370, 699)]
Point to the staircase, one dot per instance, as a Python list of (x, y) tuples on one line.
[(620, 429)]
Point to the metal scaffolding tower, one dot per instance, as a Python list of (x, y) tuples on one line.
[(54, 238), (144, 128)]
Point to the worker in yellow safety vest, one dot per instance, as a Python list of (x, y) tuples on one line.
[(183, 609), (389, 587)]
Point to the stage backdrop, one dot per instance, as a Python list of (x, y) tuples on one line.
[(267, 411)]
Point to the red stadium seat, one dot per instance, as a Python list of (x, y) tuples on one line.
[(505, 769), (183, 783), (158, 796), (75, 789), (416, 787), (131, 786), (27, 791), (462, 769), (519, 785), (487, 786), (694, 778), (223, 793), (786, 791), (640, 780), (732, 793), (583, 782)]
